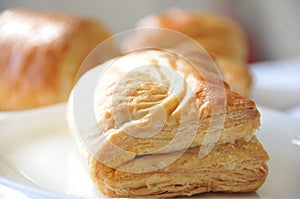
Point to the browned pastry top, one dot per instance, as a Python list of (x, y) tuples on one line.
[(40, 54), (219, 35)]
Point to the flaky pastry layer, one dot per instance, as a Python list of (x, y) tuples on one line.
[(230, 167)]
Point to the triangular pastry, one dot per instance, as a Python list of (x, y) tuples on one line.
[(161, 133)]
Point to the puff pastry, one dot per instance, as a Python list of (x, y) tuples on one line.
[(156, 115), (40, 54), (223, 39)]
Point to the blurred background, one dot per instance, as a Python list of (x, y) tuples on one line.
[(273, 26)]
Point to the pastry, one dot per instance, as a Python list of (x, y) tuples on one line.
[(163, 129), (40, 54), (223, 39)]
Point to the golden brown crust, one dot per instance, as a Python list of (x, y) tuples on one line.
[(237, 167), (221, 37), (40, 54)]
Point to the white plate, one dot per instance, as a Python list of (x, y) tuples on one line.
[(42, 161), (32, 119)]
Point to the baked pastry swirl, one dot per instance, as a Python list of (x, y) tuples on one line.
[(223, 39), (155, 117), (40, 54)]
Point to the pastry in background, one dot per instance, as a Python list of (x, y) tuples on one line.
[(223, 39), (154, 115), (40, 54)]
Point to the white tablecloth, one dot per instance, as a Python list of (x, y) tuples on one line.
[(277, 85)]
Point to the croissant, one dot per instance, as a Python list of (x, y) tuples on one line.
[(40, 54), (223, 39), (163, 129)]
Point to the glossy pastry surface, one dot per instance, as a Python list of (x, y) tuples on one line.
[(40, 54)]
